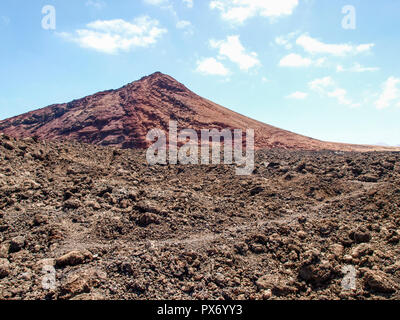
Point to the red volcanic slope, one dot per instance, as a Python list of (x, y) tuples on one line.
[(123, 117)]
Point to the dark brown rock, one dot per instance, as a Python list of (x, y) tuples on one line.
[(317, 273), (17, 244), (379, 281), (146, 219)]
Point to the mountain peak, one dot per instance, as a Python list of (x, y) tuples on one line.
[(160, 81), (122, 118), (154, 75), (158, 76)]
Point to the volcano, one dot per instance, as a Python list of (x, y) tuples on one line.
[(123, 117)]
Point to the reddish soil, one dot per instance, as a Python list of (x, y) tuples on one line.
[(123, 117)]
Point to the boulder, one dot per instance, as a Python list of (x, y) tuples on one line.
[(360, 236), (361, 250), (378, 281), (17, 244), (75, 285), (316, 274)]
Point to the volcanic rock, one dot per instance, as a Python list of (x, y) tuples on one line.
[(215, 242), (4, 268), (123, 117), (17, 244), (379, 281), (73, 258)]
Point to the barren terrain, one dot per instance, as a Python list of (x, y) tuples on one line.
[(115, 228)]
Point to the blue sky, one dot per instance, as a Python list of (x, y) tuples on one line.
[(294, 64)]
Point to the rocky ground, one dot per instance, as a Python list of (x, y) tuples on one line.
[(114, 228)]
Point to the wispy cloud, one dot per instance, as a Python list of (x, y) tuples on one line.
[(298, 95), (156, 2), (97, 4), (327, 87), (286, 40), (321, 84), (163, 4), (238, 11), (114, 36), (315, 46), (390, 94), (296, 61), (282, 41), (358, 68), (168, 5), (321, 54), (186, 26)]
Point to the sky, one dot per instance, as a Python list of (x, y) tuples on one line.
[(322, 68)]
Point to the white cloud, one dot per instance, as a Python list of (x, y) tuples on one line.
[(164, 5), (327, 87), (358, 68), (182, 24), (295, 60), (320, 62), (390, 93), (185, 25), (340, 68), (286, 40), (321, 84), (188, 3), (282, 41), (232, 49), (298, 95), (210, 66), (314, 46), (238, 11), (114, 36), (341, 95), (156, 2), (97, 4)]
